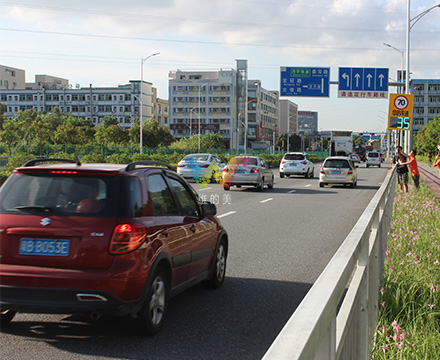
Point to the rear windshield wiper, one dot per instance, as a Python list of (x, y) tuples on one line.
[(42, 208)]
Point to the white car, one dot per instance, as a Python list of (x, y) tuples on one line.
[(373, 159), (296, 163), (338, 170), (201, 167)]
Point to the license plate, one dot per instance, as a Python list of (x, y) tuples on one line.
[(292, 165), (239, 171), (336, 172), (47, 247)]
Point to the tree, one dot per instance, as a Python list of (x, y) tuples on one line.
[(153, 135), (428, 138), (212, 141), (116, 135), (109, 120), (10, 134)]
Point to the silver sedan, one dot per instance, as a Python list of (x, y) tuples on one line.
[(247, 170)]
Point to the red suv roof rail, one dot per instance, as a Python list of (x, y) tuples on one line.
[(36, 161)]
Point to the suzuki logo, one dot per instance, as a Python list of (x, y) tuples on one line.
[(45, 221)]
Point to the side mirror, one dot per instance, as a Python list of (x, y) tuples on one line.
[(208, 209)]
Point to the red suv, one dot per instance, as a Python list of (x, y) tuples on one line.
[(104, 239)]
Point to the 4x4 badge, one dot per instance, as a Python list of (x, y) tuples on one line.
[(45, 221)]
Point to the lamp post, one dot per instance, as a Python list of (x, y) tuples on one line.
[(409, 25), (142, 95), (198, 114), (402, 53)]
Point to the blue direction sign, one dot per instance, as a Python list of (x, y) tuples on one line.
[(363, 83), (305, 81)]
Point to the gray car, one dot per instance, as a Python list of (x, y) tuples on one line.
[(338, 170), (248, 170)]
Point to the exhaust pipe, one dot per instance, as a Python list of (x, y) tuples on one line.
[(90, 298)]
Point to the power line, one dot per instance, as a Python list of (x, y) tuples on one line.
[(195, 20), (187, 41)]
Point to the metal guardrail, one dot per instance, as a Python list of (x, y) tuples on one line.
[(338, 316)]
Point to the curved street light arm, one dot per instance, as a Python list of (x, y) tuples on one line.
[(422, 14)]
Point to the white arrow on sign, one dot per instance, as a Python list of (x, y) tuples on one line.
[(346, 77), (357, 76), (381, 76), (369, 77)]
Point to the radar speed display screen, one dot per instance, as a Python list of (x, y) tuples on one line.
[(400, 112)]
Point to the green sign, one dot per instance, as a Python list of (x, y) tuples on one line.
[(299, 72)]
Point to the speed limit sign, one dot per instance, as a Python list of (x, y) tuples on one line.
[(400, 111), (401, 102)]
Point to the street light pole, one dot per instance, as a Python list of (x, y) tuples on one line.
[(402, 53), (141, 103), (414, 21), (200, 88)]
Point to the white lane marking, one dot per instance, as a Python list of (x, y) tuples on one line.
[(226, 214), (291, 191), (205, 188), (308, 185), (263, 201)]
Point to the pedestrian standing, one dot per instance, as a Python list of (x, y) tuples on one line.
[(402, 170), (412, 162)]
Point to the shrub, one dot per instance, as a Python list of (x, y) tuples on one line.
[(119, 159), (93, 158)]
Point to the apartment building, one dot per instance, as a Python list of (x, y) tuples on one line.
[(91, 103), (11, 78), (160, 110), (203, 102), (426, 101), (224, 102), (288, 117)]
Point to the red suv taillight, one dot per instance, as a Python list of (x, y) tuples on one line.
[(254, 171), (322, 170), (205, 166), (350, 171), (127, 238), (304, 162)]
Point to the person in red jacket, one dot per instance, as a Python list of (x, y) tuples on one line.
[(412, 162)]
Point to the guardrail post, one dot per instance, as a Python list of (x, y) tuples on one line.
[(327, 347)]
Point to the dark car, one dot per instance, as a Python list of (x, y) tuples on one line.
[(104, 239)]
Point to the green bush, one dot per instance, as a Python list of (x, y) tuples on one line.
[(4, 175), (118, 159), (18, 160), (93, 158)]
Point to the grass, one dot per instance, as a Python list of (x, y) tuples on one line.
[(409, 299)]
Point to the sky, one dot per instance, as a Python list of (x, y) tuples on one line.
[(102, 42)]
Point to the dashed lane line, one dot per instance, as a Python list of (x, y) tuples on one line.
[(226, 214), (263, 201)]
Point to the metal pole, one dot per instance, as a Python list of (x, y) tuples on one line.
[(408, 140), (141, 101)]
